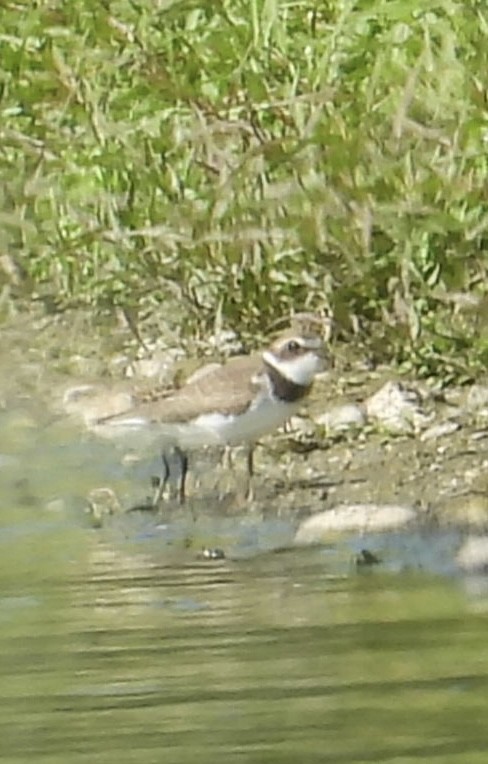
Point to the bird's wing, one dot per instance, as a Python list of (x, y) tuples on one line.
[(227, 389)]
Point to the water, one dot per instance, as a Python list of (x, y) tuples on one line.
[(121, 644)]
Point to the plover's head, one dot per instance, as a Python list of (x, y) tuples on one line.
[(298, 358)]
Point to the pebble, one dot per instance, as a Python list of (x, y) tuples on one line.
[(361, 518), (477, 398), (102, 502), (342, 418), (227, 342), (440, 430), (473, 554), (159, 367), (55, 505), (300, 424), (365, 559), (211, 553), (397, 409)]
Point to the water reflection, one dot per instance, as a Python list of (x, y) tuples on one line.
[(119, 646)]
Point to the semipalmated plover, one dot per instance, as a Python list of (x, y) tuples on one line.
[(233, 404)]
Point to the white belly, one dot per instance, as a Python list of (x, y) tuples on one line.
[(230, 430), (207, 430)]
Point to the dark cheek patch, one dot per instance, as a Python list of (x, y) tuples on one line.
[(284, 389)]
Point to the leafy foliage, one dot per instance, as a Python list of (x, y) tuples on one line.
[(244, 159)]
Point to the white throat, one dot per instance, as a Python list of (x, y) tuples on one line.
[(301, 370)]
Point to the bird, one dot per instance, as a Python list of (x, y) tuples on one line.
[(233, 404)]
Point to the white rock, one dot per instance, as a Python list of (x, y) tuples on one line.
[(363, 518), (396, 409), (473, 555), (160, 366), (477, 398), (118, 364), (300, 425), (55, 505), (227, 342), (342, 417), (440, 430)]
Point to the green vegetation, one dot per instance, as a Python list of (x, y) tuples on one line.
[(245, 157)]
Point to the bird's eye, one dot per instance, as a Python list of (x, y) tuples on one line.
[(293, 346)]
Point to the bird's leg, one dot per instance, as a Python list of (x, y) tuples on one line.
[(161, 485), (250, 472), (250, 461), (183, 473), (163, 480), (227, 461)]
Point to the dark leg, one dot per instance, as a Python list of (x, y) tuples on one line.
[(250, 461), (250, 473), (184, 471), (162, 481), (166, 475)]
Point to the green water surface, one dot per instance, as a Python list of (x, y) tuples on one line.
[(118, 647)]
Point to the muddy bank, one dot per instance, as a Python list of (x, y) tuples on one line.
[(368, 437)]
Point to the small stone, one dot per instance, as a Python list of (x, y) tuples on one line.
[(477, 398), (118, 364), (366, 559), (454, 396), (55, 505), (478, 435), (396, 409), (473, 555), (226, 342), (347, 518), (349, 416), (440, 430), (131, 458), (102, 502), (299, 424), (209, 553), (149, 368)]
